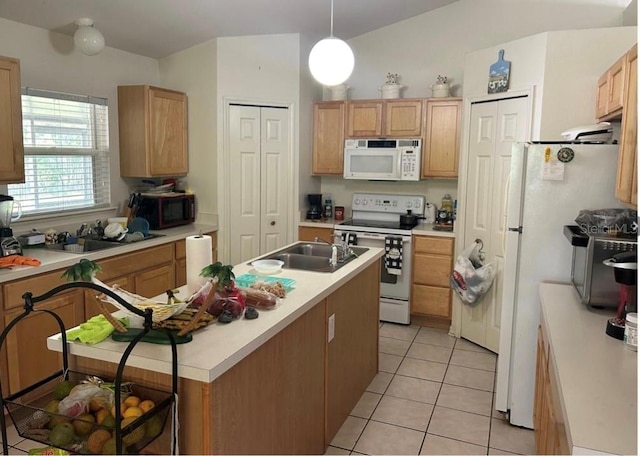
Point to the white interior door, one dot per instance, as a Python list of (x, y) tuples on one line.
[(259, 160), (494, 127)]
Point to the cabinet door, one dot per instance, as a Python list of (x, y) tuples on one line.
[(364, 119), (11, 147), (626, 182), (167, 133), (155, 281), (442, 138), (617, 79), (328, 138), (431, 301), (403, 118), (28, 358), (602, 96), (308, 233)]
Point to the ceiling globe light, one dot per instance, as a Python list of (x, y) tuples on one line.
[(331, 59), (87, 38)]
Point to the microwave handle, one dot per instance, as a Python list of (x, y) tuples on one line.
[(189, 209), (399, 163)]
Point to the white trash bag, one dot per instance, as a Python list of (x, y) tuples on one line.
[(471, 278)]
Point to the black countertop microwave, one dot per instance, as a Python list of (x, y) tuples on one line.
[(166, 210)]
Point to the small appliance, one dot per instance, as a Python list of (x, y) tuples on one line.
[(378, 222), (9, 245), (316, 210), (166, 210), (598, 133), (625, 271), (382, 159)]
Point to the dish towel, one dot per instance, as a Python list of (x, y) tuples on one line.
[(350, 238), (94, 330), (393, 255)]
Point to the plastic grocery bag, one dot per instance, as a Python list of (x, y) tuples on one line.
[(471, 278)]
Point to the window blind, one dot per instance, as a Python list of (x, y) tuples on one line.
[(66, 146)]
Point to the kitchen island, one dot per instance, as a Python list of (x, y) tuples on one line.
[(283, 383)]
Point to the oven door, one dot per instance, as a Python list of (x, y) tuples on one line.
[(375, 164), (394, 289)]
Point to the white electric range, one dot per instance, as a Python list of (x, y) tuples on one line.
[(375, 218)]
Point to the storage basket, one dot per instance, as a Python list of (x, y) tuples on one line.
[(27, 416)]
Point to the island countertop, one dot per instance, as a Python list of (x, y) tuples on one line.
[(218, 347)]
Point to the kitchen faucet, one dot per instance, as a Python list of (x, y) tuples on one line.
[(340, 249)]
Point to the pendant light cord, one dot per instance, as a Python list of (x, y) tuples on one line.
[(331, 18)]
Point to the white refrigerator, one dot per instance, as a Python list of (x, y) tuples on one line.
[(548, 186)]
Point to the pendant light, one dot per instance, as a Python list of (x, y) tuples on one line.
[(331, 59), (87, 38)]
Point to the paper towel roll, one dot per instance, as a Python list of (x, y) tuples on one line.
[(198, 249)]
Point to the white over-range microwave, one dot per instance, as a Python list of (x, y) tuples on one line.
[(382, 159)]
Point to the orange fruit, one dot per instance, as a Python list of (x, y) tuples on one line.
[(123, 407), (146, 405), (132, 412), (101, 415), (132, 401)]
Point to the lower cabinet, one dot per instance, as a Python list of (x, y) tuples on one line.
[(549, 426), (28, 359), (432, 265), (310, 233)]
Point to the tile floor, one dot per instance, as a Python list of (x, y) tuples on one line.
[(433, 395)]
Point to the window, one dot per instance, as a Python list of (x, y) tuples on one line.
[(66, 146)]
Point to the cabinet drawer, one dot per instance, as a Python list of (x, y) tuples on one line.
[(133, 262), (91, 308), (433, 301), (308, 233), (155, 281), (437, 245), (12, 292), (432, 270)]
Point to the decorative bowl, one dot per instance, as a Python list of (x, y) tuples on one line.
[(267, 266)]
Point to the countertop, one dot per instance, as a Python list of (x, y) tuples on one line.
[(218, 347), (424, 229), (598, 376), (56, 259)]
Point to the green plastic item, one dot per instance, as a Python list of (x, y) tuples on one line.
[(154, 336)]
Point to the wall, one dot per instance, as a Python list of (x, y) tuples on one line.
[(48, 60), (436, 43), (630, 15), (194, 71)]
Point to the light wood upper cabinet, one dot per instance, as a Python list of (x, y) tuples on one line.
[(441, 138), (153, 132), (11, 147), (364, 119), (403, 118), (386, 119), (610, 94), (627, 178), (328, 137)]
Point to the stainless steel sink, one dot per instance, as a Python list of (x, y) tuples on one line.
[(93, 245), (312, 256)]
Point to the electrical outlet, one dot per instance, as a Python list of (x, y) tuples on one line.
[(332, 327)]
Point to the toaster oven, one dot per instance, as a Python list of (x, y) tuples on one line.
[(595, 282)]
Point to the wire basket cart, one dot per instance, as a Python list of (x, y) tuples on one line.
[(23, 408)]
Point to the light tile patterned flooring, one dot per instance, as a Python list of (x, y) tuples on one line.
[(434, 394)]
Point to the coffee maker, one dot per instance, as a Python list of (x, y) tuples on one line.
[(315, 206), (625, 269), (9, 245)]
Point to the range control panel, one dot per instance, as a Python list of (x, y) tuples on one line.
[(394, 204)]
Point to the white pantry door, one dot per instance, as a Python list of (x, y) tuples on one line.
[(494, 127), (259, 166)]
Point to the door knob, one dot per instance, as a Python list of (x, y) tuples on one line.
[(272, 223)]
